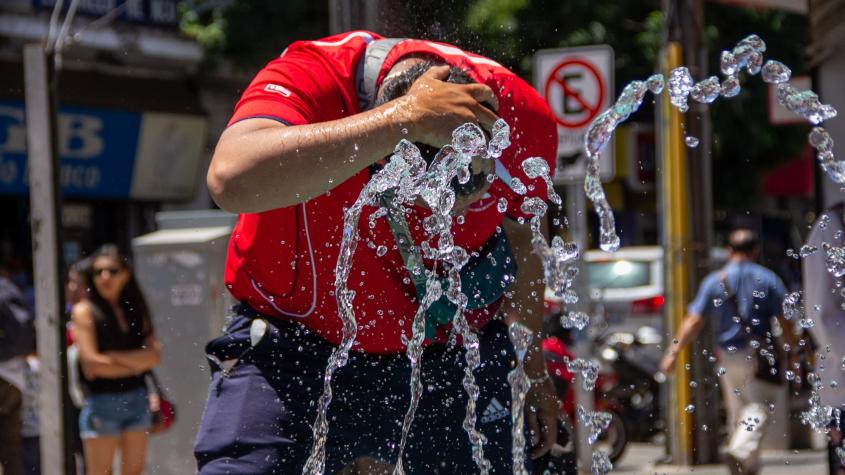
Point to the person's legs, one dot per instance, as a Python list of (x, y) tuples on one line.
[(99, 454), (733, 383), (745, 443), (133, 450), (259, 412), (11, 450)]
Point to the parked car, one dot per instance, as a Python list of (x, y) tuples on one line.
[(626, 287)]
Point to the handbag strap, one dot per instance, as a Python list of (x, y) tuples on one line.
[(157, 385)]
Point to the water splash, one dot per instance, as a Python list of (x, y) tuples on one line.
[(598, 135), (578, 320), (400, 163), (601, 463), (791, 307), (596, 422), (834, 259), (537, 167), (775, 72), (521, 338), (589, 371)]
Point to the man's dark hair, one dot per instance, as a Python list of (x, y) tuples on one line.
[(399, 85), (743, 240)]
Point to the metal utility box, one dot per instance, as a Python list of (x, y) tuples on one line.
[(180, 269)]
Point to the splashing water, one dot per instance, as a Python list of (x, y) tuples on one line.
[(578, 320), (791, 308), (601, 463), (521, 338), (589, 371), (748, 55), (536, 167), (595, 421), (834, 259), (398, 184), (598, 135)]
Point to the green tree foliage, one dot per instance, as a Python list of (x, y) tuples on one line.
[(745, 145), (245, 34)]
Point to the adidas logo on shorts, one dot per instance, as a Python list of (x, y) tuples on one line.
[(495, 411)]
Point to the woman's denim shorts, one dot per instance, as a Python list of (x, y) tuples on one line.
[(110, 414)]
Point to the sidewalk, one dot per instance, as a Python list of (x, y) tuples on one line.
[(639, 460)]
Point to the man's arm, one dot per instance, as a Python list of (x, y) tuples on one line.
[(526, 307), (690, 327), (261, 164)]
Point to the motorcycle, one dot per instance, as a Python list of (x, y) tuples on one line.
[(561, 459), (635, 362)]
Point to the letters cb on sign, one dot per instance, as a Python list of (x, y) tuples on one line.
[(577, 83)]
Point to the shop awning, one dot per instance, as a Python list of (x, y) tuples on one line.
[(794, 178)]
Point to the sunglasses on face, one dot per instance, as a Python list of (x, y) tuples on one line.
[(111, 271)]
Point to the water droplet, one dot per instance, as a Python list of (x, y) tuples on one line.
[(655, 83), (517, 186), (690, 408), (692, 142), (706, 91), (775, 72), (730, 87), (502, 205)]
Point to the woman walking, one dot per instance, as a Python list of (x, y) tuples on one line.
[(117, 348)]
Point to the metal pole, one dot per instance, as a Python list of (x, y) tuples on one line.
[(675, 205), (576, 215), (45, 199), (706, 395)]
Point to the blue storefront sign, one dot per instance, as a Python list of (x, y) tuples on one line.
[(97, 149), (145, 12), (110, 154)]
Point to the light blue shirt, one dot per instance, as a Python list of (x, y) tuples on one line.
[(760, 294)]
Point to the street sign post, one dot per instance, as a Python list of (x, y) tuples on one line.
[(577, 83)]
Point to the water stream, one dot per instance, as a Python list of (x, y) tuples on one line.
[(406, 177)]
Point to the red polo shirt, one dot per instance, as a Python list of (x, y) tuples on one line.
[(281, 262)]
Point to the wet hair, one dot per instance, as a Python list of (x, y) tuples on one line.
[(743, 241), (400, 84), (131, 298)]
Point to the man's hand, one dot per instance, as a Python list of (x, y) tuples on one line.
[(436, 107), (541, 411), (667, 364)]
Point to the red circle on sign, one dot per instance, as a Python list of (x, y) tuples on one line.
[(593, 110)]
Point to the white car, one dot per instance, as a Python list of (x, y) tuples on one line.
[(626, 287)]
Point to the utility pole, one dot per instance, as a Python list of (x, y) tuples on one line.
[(705, 396), (45, 199), (686, 201)]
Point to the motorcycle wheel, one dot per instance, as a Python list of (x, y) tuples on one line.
[(614, 439), (561, 459)]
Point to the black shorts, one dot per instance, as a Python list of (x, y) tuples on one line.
[(258, 419)]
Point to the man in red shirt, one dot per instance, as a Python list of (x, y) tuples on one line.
[(302, 143)]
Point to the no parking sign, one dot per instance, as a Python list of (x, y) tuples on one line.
[(577, 83)]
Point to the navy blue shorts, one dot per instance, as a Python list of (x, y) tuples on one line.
[(258, 418)]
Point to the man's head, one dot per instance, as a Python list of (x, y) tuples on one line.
[(743, 242), (398, 82)]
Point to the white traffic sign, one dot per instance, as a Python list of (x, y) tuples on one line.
[(577, 83)]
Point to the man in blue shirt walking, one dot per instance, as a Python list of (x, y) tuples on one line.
[(741, 299)]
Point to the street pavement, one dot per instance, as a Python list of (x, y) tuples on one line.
[(639, 459)]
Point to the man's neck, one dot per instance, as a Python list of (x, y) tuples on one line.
[(739, 258)]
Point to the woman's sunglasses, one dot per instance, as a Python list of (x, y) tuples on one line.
[(111, 271)]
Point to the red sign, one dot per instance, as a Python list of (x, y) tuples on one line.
[(574, 77)]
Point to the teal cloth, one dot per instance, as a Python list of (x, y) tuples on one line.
[(484, 279)]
